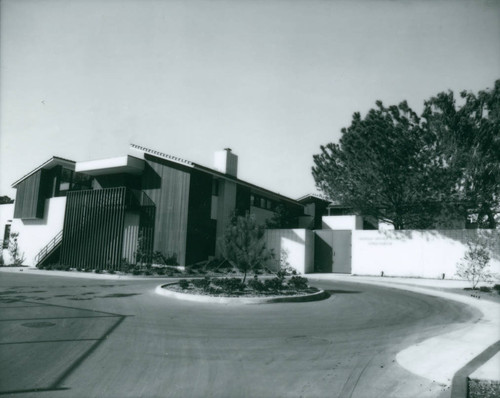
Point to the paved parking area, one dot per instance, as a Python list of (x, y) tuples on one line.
[(72, 337), (48, 340)]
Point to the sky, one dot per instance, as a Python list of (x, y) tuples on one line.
[(273, 80)]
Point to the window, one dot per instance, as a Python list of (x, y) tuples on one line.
[(81, 182), (6, 237), (65, 180)]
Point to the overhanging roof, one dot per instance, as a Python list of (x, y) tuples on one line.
[(49, 164), (123, 164)]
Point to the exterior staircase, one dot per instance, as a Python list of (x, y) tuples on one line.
[(49, 250)]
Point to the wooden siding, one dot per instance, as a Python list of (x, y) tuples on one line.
[(242, 200), (130, 236), (30, 196), (201, 228), (226, 205), (93, 228), (167, 184)]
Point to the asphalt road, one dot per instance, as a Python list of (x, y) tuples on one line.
[(72, 337)]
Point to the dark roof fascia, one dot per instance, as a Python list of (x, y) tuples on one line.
[(245, 183), (213, 172), (312, 198), (42, 166)]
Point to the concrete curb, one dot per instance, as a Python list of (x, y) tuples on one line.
[(440, 357), (485, 382), (321, 295)]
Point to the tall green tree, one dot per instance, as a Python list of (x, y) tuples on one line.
[(419, 172), (383, 167), (467, 140)]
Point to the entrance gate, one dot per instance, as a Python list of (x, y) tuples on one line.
[(332, 251)]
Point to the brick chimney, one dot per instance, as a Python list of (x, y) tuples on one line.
[(226, 162)]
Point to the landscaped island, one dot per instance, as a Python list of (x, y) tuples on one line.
[(278, 289), (235, 287)]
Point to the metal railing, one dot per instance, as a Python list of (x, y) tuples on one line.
[(48, 248)]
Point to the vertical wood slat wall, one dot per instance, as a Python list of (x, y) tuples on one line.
[(167, 185), (30, 200), (93, 228)]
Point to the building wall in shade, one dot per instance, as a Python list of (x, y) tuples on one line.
[(167, 184), (201, 227), (226, 203), (94, 229), (30, 196)]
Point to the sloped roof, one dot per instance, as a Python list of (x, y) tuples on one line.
[(47, 165), (209, 170)]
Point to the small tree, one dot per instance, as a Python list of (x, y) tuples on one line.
[(284, 265), (280, 219), (243, 244), (15, 253), (143, 254), (475, 264)]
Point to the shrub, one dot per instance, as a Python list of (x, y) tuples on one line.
[(281, 275), (98, 271), (298, 282), (184, 284), (171, 259), (485, 289), (229, 285), (274, 284), (15, 252), (160, 271), (256, 284), (475, 264), (136, 272), (125, 266), (284, 265), (143, 255), (497, 288), (215, 290), (201, 283)]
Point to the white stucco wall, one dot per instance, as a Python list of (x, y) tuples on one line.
[(35, 234), (425, 254), (342, 222), (298, 243)]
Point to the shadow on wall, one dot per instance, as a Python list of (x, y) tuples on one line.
[(289, 241)]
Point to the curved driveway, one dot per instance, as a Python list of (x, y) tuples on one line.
[(72, 337)]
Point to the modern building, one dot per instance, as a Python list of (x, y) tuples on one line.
[(100, 213)]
